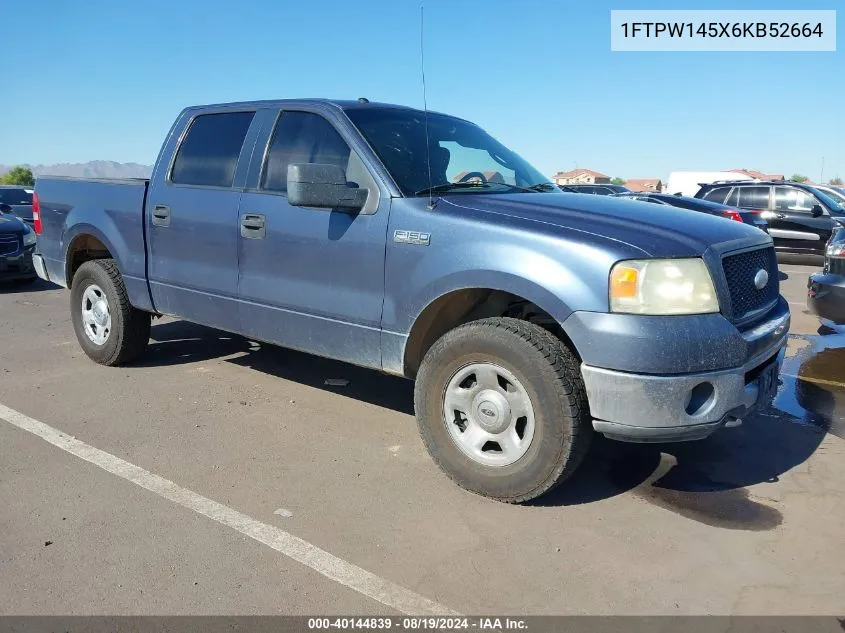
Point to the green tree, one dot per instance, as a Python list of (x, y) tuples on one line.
[(798, 178), (836, 181), (18, 175), (618, 181)]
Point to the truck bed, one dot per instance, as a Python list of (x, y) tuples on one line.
[(111, 210)]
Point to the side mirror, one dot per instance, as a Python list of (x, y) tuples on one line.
[(322, 186), (5, 208), (817, 210)]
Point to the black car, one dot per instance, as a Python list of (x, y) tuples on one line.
[(19, 199), (826, 290), (703, 206), (801, 218), (17, 243), (600, 189)]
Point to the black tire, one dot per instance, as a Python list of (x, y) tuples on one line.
[(130, 327), (550, 374)]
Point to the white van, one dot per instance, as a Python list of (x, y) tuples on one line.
[(687, 183)]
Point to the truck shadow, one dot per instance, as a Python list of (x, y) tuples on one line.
[(19, 287), (179, 342), (705, 481)]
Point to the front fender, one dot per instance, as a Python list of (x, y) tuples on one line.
[(555, 285)]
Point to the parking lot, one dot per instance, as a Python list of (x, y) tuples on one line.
[(260, 489)]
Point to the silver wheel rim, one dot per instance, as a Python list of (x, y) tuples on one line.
[(488, 414), (96, 317)]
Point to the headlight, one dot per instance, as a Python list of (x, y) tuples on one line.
[(29, 237), (662, 286)]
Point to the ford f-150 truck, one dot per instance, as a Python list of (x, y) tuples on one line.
[(415, 244)]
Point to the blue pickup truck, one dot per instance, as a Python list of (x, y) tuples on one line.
[(415, 244)]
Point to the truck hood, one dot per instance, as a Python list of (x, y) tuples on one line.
[(10, 224), (656, 230)]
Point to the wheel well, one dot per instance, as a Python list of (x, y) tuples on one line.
[(462, 306), (82, 249)]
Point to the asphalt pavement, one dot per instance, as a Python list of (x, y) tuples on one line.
[(221, 476)]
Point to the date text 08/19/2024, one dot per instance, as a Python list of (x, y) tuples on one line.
[(418, 623)]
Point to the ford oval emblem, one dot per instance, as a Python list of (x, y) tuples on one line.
[(761, 279)]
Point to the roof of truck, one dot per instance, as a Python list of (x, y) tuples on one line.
[(345, 104)]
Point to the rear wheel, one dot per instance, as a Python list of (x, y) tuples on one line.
[(109, 330), (502, 408)]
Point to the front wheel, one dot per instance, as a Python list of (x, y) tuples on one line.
[(109, 330), (502, 408)]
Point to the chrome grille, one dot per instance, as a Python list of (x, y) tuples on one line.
[(740, 271), (8, 244)]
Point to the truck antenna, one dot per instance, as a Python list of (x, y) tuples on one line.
[(425, 106)]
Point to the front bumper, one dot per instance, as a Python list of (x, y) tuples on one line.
[(663, 408), (17, 266), (826, 296)]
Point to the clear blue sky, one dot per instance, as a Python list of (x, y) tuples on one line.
[(104, 79)]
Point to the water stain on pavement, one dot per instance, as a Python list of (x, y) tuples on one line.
[(718, 504), (813, 382)]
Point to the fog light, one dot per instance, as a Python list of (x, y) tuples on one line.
[(699, 398)]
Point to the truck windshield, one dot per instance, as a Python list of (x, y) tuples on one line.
[(464, 158)]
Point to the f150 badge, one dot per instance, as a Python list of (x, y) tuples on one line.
[(412, 237)]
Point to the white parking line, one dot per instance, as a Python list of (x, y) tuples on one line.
[(403, 600)]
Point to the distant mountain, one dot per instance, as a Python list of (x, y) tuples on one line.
[(93, 169)]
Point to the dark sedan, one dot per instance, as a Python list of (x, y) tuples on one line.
[(19, 198), (703, 206), (17, 243), (826, 290)]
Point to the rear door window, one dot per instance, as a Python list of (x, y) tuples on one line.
[(717, 194), (753, 197), (208, 156)]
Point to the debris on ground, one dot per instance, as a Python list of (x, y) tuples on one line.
[(336, 382)]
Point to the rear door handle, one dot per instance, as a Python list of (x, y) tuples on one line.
[(253, 226), (161, 215)]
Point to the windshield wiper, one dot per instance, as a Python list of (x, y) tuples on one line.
[(544, 186), (448, 186), (473, 184)]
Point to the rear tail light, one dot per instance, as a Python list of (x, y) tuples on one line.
[(732, 215), (36, 214)]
